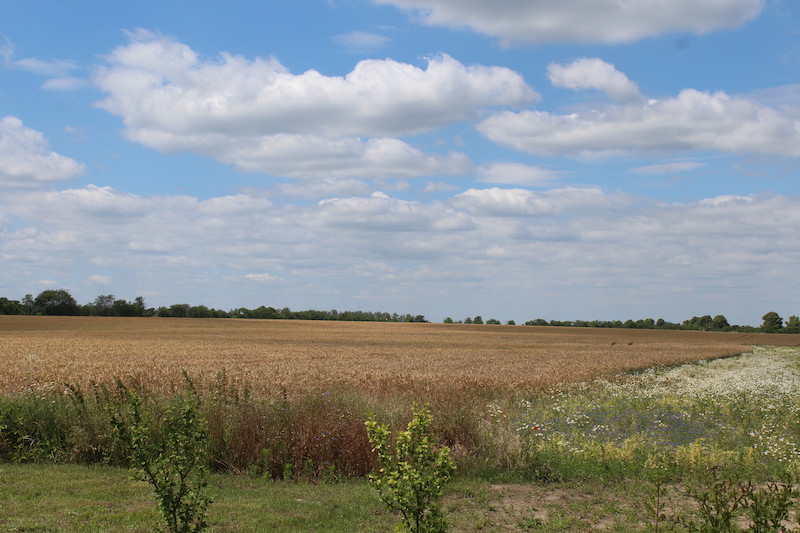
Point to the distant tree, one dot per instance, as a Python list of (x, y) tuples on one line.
[(10, 307), (702, 323), (536, 322), (179, 310), (477, 320), (264, 312), (198, 311), (511, 323), (772, 322), (468, 320), (646, 323), (448, 320), (793, 324), (55, 302), (492, 321), (103, 305), (139, 306), (28, 305), (720, 322), (660, 323)]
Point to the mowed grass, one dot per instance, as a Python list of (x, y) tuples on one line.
[(302, 356), (88, 499)]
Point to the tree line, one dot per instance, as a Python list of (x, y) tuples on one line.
[(59, 302), (772, 323)]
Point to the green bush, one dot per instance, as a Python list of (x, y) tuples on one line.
[(175, 463), (412, 473)]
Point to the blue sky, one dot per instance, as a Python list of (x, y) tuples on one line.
[(515, 159)]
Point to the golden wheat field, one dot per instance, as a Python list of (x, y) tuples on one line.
[(299, 356)]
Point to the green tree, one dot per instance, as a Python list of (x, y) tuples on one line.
[(28, 305), (55, 302), (10, 307), (477, 320), (139, 306), (772, 322), (175, 464), (720, 322), (103, 304), (411, 477), (179, 310)]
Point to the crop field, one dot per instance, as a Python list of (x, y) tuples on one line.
[(528, 412), (298, 356)]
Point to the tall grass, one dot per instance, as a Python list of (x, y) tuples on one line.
[(318, 434), (748, 405)]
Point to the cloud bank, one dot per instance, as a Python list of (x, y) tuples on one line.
[(582, 21)]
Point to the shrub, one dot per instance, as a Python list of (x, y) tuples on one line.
[(175, 463), (411, 477)]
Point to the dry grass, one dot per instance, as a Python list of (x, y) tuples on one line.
[(301, 356)]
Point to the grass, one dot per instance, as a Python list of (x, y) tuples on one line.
[(80, 499)]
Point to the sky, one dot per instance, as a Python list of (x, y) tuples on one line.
[(514, 159)]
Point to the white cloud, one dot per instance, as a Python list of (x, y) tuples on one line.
[(263, 277), (25, 159), (692, 121), (53, 68), (593, 73), (257, 116), (65, 83), (6, 51), (499, 202), (379, 212), (361, 41), (528, 250), (308, 156), (322, 188), (674, 167), (98, 279), (516, 174), (585, 21), (58, 71)]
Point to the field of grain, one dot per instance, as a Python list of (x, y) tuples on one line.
[(299, 356)]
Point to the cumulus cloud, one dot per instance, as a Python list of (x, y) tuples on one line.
[(254, 114), (25, 158), (522, 202), (691, 121), (310, 156), (380, 212), (584, 21), (593, 73), (98, 279)]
